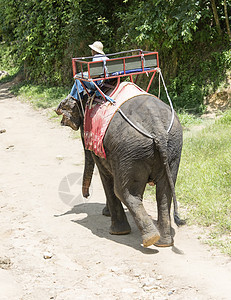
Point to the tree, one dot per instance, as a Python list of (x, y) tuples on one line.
[(45, 34), (227, 19), (214, 8)]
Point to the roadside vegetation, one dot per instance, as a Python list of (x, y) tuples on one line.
[(39, 38), (41, 97), (204, 181)]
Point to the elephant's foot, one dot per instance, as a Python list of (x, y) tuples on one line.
[(120, 229), (106, 211), (164, 242), (150, 239)]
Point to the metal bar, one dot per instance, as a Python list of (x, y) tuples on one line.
[(136, 77), (88, 70), (73, 67), (116, 88), (142, 62), (116, 76), (157, 59), (78, 59), (110, 54), (150, 82), (122, 61), (124, 66), (84, 88), (81, 66), (101, 93)]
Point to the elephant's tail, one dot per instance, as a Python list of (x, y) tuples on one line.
[(164, 157), (177, 218)]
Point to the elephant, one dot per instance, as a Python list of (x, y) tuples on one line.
[(133, 159)]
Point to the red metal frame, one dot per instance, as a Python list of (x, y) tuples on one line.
[(142, 54)]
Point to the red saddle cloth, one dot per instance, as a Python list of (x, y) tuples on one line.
[(98, 117)]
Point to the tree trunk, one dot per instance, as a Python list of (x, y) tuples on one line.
[(227, 19), (215, 14)]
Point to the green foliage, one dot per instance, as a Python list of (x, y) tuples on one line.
[(8, 60), (37, 31), (193, 57), (197, 78), (225, 119), (165, 22), (44, 35), (187, 120)]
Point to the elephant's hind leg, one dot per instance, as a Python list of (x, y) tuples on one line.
[(119, 222), (164, 197), (150, 234)]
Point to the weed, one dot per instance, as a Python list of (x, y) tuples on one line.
[(40, 96)]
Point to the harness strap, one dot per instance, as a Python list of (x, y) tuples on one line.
[(133, 125), (169, 100), (80, 99)]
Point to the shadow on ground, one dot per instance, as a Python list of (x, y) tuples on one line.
[(99, 226)]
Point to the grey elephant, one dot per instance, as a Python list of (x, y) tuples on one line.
[(132, 160)]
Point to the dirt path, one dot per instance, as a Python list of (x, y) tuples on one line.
[(83, 261)]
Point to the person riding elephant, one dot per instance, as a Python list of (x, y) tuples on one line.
[(77, 88)]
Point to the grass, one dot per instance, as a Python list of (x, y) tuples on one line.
[(40, 96), (204, 180), (187, 120)]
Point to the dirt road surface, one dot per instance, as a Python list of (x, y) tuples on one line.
[(52, 249)]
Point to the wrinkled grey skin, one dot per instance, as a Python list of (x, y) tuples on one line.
[(133, 160)]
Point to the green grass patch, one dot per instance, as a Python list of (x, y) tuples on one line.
[(188, 120), (204, 180), (41, 97)]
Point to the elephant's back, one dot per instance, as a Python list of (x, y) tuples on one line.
[(149, 112), (150, 115)]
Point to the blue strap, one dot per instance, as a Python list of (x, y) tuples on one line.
[(130, 71), (109, 99)]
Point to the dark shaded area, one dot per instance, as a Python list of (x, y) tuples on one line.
[(99, 226)]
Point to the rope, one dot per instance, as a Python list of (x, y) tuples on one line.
[(80, 99), (133, 125), (159, 87), (90, 100), (169, 100)]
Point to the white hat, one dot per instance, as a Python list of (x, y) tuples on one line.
[(97, 47)]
